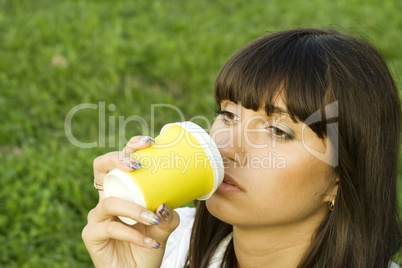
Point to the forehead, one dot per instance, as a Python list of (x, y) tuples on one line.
[(278, 108), (277, 105)]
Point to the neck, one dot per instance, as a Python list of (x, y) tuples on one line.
[(278, 246)]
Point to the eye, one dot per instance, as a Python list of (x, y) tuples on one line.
[(278, 133), (228, 117)]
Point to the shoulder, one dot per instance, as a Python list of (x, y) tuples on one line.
[(179, 241)]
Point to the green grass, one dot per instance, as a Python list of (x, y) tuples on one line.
[(131, 54)]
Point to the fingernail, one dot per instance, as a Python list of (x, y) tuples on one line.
[(165, 212), (150, 217), (132, 163), (151, 242), (148, 139)]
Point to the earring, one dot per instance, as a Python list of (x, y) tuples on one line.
[(331, 205), (242, 150)]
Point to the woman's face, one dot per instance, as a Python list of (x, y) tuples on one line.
[(270, 176)]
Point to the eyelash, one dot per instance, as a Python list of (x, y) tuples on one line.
[(226, 114), (273, 130), (283, 136)]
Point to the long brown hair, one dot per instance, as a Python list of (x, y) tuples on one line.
[(316, 67)]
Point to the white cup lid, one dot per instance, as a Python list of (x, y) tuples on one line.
[(120, 184)]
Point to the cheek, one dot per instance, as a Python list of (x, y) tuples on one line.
[(288, 195), (278, 195), (299, 191)]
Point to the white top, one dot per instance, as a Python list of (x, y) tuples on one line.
[(179, 242)]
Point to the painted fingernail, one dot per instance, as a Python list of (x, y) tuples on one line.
[(165, 212), (148, 139), (150, 217), (151, 242), (132, 163)]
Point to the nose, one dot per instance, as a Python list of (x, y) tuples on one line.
[(230, 142), (228, 137)]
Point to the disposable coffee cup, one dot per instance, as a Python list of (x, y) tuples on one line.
[(184, 164)]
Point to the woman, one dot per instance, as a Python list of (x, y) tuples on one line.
[(308, 122)]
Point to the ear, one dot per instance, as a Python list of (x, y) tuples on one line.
[(332, 190)]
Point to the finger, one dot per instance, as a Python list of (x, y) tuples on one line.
[(120, 160), (101, 195), (106, 162), (102, 164), (100, 232), (137, 143), (113, 206)]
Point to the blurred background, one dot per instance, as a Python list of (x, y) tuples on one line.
[(117, 59)]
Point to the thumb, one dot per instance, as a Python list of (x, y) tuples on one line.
[(170, 219)]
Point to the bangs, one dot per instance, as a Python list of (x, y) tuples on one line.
[(291, 66)]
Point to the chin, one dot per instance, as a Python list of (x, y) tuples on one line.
[(220, 209)]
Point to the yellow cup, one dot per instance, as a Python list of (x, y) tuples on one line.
[(182, 165)]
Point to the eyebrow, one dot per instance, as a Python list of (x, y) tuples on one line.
[(279, 110)]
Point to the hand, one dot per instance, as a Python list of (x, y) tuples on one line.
[(110, 242)]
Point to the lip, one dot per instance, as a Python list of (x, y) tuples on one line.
[(227, 188)]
